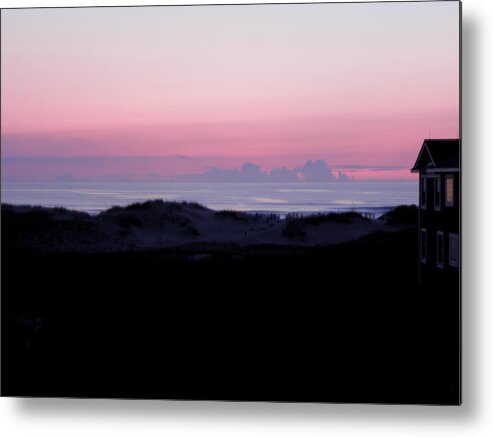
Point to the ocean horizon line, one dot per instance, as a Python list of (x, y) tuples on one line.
[(272, 197), (177, 181), (377, 211)]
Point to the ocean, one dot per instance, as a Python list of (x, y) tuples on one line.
[(375, 197)]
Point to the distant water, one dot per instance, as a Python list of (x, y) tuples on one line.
[(93, 197)]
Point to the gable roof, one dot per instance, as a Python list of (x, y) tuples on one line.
[(439, 153)]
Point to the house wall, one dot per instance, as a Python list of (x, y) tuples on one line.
[(445, 219)]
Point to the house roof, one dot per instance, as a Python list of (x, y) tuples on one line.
[(438, 154)]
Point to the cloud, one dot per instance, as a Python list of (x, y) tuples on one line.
[(311, 171), (247, 173), (173, 168), (342, 176), (65, 177), (316, 171), (282, 174), (369, 167)]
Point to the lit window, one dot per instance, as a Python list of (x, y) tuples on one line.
[(453, 250), (423, 245), (423, 192), (438, 193), (440, 249), (449, 191)]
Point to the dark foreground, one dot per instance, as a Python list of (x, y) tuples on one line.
[(343, 323)]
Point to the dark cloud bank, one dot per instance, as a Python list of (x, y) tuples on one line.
[(312, 171), (126, 169)]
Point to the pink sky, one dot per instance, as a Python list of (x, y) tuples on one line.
[(353, 84)]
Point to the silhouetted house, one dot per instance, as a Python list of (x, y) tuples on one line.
[(438, 164)]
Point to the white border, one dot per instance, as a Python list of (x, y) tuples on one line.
[(59, 417)]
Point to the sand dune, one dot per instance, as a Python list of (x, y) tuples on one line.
[(159, 224)]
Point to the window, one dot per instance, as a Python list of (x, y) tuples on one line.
[(423, 192), (438, 193), (449, 190), (440, 249), (424, 244), (453, 250)]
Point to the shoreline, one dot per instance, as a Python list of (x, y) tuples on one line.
[(378, 211), (281, 198)]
